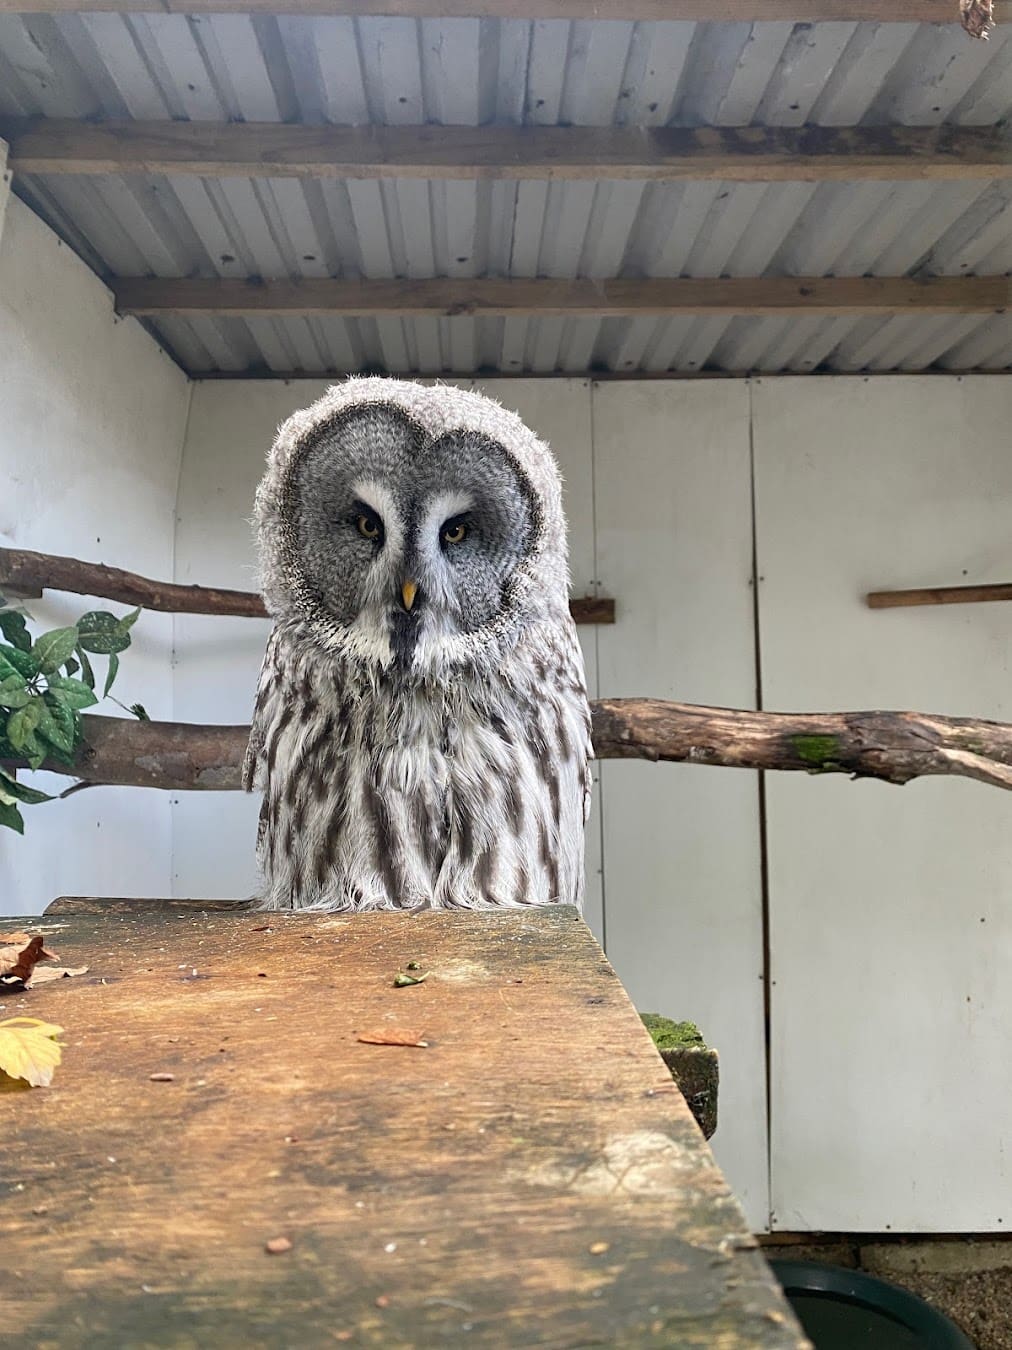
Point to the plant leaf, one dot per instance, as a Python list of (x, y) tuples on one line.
[(71, 667), (87, 674), (12, 818), (52, 649), (14, 693), (21, 726), (23, 663), (102, 633), (128, 620), (15, 630), (31, 796), (29, 1049), (71, 693), (56, 724), (112, 673), (140, 712)]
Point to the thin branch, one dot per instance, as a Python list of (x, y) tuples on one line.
[(893, 747), (27, 573)]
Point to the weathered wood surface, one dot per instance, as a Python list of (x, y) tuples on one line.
[(532, 1177), (25, 572), (662, 154), (939, 595), (894, 747), (620, 297)]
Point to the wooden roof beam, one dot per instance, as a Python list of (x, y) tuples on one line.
[(699, 11), (258, 150), (442, 297)]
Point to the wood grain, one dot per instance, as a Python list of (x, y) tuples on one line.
[(894, 747), (25, 572), (939, 595), (533, 1177), (696, 11), (270, 149), (617, 298)]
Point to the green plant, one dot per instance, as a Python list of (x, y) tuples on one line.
[(44, 685)]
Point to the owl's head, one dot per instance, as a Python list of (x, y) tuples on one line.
[(411, 526)]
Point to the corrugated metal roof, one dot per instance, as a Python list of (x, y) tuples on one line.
[(461, 71)]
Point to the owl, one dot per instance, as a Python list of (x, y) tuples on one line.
[(421, 733)]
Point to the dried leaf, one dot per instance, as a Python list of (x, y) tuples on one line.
[(29, 1050), (977, 17), (393, 1036), (402, 981), (17, 964), (43, 974)]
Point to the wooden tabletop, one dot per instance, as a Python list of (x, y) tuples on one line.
[(528, 1177)]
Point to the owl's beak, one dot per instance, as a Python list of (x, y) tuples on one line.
[(408, 592)]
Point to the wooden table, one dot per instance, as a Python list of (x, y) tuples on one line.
[(531, 1177)]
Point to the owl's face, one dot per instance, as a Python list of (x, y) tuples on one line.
[(407, 542)]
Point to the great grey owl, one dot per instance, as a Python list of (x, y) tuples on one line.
[(421, 731)]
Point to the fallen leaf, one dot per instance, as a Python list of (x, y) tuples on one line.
[(393, 1036), (29, 1050), (400, 981), (275, 1246), (42, 974), (17, 963)]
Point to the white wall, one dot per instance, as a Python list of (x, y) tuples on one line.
[(91, 432), (891, 921)]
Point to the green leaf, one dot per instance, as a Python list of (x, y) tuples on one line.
[(140, 712), (21, 726), (113, 672), (15, 630), (102, 633), (12, 818), (87, 674), (56, 725), (23, 662), (12, 788), (71, 666), (52, 649), (14, 693), (73, 694), (128, 620)]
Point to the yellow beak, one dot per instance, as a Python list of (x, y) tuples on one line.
[(408, 592)]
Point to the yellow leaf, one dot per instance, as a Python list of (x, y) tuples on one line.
[(28, 1049)]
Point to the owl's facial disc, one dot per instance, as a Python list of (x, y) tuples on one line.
[(409, 542)]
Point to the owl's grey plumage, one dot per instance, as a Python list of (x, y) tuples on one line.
[(421, 731)]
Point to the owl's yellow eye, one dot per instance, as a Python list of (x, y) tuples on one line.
[(369, 526), (455, 533)]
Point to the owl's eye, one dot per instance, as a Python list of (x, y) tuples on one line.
[(369, 526), (454, 532)]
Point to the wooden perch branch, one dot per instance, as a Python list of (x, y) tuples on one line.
[(938, 595), (27, 573), (892, 746)]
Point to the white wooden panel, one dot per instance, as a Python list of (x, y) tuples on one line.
[(217, 660), (891, 930), (90, 438), (683, 906)]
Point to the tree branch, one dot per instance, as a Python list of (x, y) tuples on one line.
[(891, 746), (28, 573)]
